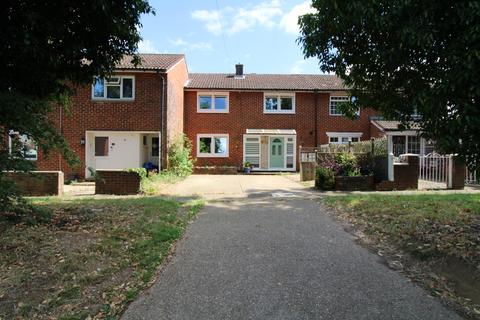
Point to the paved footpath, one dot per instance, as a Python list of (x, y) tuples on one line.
[(278, 259)]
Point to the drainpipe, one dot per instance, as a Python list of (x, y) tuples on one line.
[(61, 132), (162, 119), (316, 119)]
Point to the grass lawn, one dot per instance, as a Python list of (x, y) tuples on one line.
[(440, 231), (91, 259)]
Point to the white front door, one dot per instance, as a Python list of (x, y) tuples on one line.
[(117, 150)]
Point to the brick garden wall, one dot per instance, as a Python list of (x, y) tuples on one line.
[(117, 182), (458, 173), (38, 183), (406, 174)]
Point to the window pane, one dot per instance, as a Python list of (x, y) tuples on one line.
[(205, 145), (355, 139), (414, 144), (287, 103), (113, 80), (279, 149), (333, 139), (345, 140), (113, 92), (334, 101), (271, 103), (29, 148), (220, 103), (98, 88), (220, 145), (155, 147), (127, 88), (205, 102), (101, 146), (398, 145)]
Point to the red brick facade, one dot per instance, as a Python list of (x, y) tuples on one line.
[(144, 113), (311, 122)]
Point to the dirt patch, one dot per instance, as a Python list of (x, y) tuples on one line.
[(90, 260)]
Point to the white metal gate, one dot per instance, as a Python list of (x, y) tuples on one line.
[(436, 169)]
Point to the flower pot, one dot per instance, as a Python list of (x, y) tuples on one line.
[(247, 170)]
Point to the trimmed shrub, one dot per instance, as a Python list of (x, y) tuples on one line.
[(348, 165), (324, 178)]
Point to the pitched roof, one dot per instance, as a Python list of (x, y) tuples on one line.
[(252, 81), (151, 61), (389, 125)]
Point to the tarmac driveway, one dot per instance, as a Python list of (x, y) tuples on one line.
[(274, 258)]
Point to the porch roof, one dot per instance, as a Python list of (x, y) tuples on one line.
[(272, 131), (385, 125)]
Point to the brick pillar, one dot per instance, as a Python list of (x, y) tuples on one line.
[(406, 174), (458, 173)]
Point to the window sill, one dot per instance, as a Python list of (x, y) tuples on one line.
[(212, 111), (278, 112), (112, 100), (212, 156)]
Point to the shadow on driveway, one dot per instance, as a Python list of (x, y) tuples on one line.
[(278, 258)]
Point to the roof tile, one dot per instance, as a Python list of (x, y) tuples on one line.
[(151, 61), (252, 81)]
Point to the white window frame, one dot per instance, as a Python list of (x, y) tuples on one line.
[(213, 95), (10, 144), (212, 153), (340, 135), (342, 99), (121, 89), (279, 96)]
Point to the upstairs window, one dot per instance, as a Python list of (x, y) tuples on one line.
[(211, 102), (335, 101), (279, 103), (114, 88)]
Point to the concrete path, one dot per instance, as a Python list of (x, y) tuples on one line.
[(271, 258), (237, 186)]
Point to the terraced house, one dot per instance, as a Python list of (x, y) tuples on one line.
[(129, 119)]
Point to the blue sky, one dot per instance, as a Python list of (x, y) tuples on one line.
[(216, 34)]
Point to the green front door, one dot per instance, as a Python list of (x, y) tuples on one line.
[(277, 153)]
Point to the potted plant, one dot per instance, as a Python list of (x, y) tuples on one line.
[(247, 167)]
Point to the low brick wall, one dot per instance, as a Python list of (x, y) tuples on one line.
[(117, 182), (38, 183), (406, 174), (458, 173), (361, 183), (215, 170), (307, 171)]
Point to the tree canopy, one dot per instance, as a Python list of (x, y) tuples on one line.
[(401, 57), (46, 49)]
